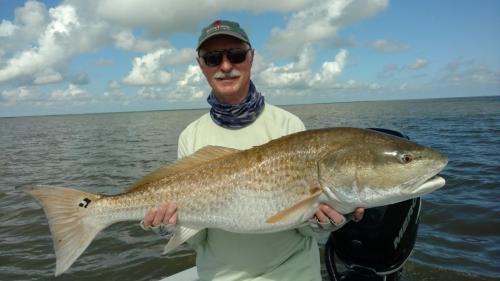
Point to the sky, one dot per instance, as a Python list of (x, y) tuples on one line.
[(71, 57)]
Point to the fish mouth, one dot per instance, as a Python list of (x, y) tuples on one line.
[(430, 185)]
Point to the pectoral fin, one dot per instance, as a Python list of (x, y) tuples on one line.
[(181, 235), (298, 209)]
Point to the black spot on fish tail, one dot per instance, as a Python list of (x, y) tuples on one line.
[(87, 202)]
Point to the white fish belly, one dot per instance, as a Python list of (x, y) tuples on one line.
[(247, 212)]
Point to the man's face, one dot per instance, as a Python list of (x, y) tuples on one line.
[(230, 81)]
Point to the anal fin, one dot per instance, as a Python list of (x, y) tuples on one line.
[(181, 235)]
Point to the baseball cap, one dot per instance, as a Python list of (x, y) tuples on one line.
[(222, 27)]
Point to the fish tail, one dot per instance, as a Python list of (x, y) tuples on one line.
[(71, 215)]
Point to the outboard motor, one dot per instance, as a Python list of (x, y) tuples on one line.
[(377, 247)]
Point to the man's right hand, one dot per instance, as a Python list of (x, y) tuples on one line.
[(161, 219)]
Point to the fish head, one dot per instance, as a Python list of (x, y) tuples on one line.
[(376, 169)]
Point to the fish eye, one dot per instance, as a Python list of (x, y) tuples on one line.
[(405, 158)]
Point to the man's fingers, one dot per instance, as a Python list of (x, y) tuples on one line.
[(149, 217), (166, 213), (160, 213), (320, 216), (358, 214), (327, 213), (173, 219), (170, 214)]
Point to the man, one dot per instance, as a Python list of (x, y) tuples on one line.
[(239, 118)]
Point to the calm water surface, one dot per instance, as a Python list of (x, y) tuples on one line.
[(459, 235)]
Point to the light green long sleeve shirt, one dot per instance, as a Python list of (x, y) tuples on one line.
[(224, 256)]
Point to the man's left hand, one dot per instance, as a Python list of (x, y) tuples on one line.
[(328, 219)]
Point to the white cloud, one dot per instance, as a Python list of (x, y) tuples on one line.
[(47, 76), (198, 95), (57, 40), (73, 94), (49, 52), (193, 76), (319, 22), (114, 91), (271, 6), (388, 46), (32, 14), (192, 85), (392, 71), (374, 86), (80, 79), (461, 72), (182, 56), (18, 95), (30, 20), (389, 71), (331, 69), (114, 85), (7, 28), (299, 74), (127, 41), (159, 16), (169, 16), (151, 93), (148, 70), (291, 75), (24, 94), (418, 64), (358, 10), (484, 75)]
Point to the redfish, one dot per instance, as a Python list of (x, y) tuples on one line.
[(267, 188)]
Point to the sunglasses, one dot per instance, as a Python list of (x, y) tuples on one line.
[(235, 55)]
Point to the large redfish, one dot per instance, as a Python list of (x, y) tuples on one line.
[(267, 188)]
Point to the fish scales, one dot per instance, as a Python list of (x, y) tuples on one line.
[(246, 178)]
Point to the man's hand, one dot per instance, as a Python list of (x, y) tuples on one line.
[(166, 213), (328, 219), (161, 220), (325, 213)]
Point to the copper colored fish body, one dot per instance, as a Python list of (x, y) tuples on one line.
[(268, 188)]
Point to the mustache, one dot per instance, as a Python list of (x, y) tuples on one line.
[(223, 75)]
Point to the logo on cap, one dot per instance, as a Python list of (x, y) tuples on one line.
[(222, 27), (216, 26)]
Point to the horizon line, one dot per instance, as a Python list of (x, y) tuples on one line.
[(289, 104)]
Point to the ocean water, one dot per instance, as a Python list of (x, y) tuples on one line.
[(459, 234)]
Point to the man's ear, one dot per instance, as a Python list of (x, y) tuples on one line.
[(201, 64), (252, 53)]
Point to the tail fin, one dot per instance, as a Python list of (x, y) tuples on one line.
[(71, 219)]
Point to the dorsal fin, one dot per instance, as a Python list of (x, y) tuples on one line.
[(201, 156)]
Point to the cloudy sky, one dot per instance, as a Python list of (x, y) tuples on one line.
[(59, 57)]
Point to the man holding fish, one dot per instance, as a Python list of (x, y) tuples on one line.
[(240, 118), (250, 182)]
